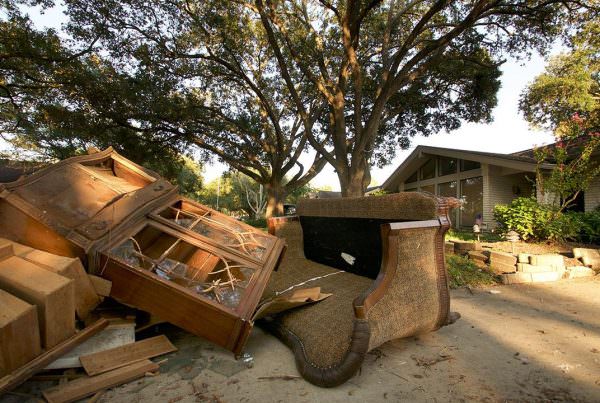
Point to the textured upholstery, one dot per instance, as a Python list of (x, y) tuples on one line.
[(328, 338), (407, 206)]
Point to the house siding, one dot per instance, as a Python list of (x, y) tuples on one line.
[(499, 189), (592, 195)]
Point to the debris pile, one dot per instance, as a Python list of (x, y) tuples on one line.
[(99, 249)]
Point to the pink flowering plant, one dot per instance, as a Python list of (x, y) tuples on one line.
[(574, 155)]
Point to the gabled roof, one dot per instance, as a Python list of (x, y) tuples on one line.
[(421, 153)]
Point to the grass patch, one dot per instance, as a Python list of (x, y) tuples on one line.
[(463, 235), (463, 272)]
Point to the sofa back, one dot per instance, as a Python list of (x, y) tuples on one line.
[(345, 233)]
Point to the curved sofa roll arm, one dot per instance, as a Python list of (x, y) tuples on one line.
[(413, 278)]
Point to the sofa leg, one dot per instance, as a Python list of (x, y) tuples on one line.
[(453, 317)]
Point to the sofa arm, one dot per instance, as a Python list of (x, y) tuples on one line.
[(410, 294)]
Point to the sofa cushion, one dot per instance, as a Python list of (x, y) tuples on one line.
[(324, 330)]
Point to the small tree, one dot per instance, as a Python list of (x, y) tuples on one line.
[(575, 168), (565, 98)]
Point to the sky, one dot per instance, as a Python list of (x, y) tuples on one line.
[(508, 132)]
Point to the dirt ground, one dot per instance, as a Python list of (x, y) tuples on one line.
[(526, 343)]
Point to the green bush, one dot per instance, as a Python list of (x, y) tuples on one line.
[(587, 224), (534, 221), (525, 216)]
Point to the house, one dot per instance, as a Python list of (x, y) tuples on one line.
[(481, 179)]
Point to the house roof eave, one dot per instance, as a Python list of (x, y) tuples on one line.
[(487, 158)]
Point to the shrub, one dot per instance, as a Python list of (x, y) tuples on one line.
[(525, 216), (588, 225), (534, 221)]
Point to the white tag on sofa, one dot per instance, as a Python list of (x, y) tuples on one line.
[(348, 258)]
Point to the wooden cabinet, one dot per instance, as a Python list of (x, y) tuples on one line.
[(177, 259)]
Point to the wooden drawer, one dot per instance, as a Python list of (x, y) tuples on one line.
[(203, 289)]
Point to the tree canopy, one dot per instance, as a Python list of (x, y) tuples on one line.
[(43, 108), (565, 99), (569, 85), (259, 82)]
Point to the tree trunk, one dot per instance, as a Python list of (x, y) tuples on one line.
[(354, 182), (276, 195)]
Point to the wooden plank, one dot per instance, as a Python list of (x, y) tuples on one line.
[(19, 333), (54, 296), (85, 294), (115, 335), (83, 387), (117, 357), (101, 285), (27, 371)]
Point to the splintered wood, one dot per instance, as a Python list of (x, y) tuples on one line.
[(101, 285), (113, 358), (83, 387), (27, 371)]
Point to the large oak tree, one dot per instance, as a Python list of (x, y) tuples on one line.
[(382, 71)]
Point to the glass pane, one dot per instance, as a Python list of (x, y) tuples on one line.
[(471, 193), (447, 189), (447, 166), (204, 273), (429, 188), (466, 165), (412, 178), (221, 230), (428, 170)]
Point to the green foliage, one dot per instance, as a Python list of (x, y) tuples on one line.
[(299, 193), (258, 222), (570, 84), (257, 83), (234, 193), (379, 192), (525, 216), (534, 221), (565, 99), (463, 272), (586, 225), (575, 167), (462, 235)]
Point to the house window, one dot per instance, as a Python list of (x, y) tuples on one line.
[(412, 178), (447, 189), (471, 193), (447, 166), (466, 165), (428, 188), (428, 170), (410, 190)]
